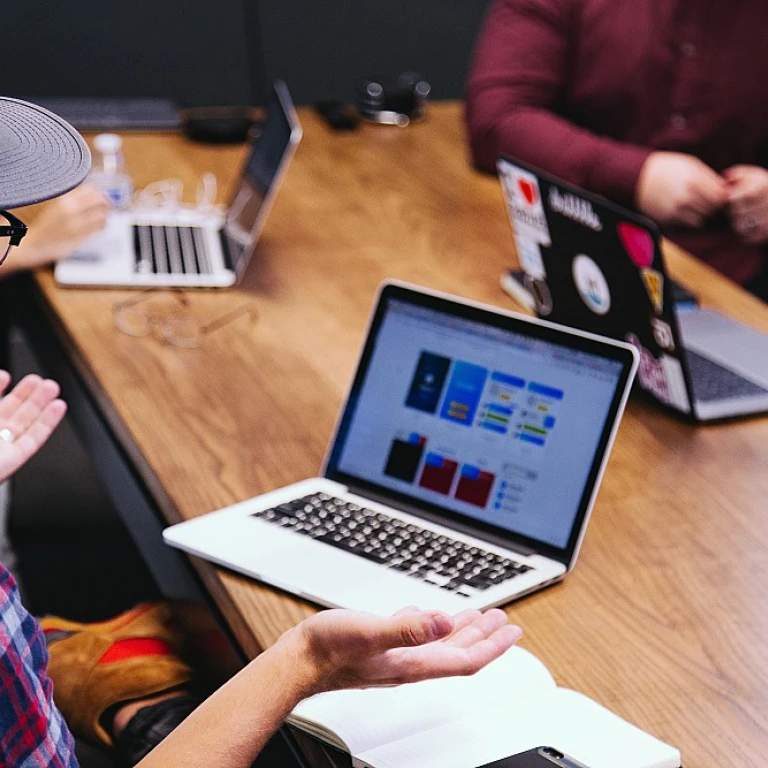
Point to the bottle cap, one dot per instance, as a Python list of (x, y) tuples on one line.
[(108, 143)]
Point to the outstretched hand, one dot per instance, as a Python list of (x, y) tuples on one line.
[(349, 649), (28, 415)]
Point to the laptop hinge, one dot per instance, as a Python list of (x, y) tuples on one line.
[(226, 251), (454, 525)]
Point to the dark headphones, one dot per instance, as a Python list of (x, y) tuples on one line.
[(393, 105)]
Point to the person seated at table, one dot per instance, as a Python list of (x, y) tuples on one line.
[(60, 227), (657, 105), (123, 679)]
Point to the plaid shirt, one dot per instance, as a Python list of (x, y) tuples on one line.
[(33, 733)]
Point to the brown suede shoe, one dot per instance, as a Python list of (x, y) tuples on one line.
[(97, 666)]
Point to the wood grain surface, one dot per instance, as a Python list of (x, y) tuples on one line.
[(665, 618)]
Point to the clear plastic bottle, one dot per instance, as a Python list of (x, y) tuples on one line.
[(108, 170)]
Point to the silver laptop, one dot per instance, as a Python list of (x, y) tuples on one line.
[(462, 472), (190, 248), (594, 265)]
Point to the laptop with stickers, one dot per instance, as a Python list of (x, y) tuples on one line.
[(593, 265), (451, 481)]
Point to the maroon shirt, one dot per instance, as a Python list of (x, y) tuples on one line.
[(586, 89)]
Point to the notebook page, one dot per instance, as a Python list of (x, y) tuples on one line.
[(562, 719), (364, 719)]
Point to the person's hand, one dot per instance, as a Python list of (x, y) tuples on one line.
[(28, 415), (349, 649), (675, 188), (748, 202), (61, 226)]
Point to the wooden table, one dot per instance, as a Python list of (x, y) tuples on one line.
[(664, 620)]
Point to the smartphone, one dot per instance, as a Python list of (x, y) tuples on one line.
[(541, 757)]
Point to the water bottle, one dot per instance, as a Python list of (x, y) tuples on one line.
[(108, 170)]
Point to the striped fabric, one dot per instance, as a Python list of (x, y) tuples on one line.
[(33, 733)]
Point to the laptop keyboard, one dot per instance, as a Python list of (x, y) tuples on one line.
[(417, 552), (711, 381), (161, 250)]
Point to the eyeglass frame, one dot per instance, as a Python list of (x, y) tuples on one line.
[(156, 320), (14, 231)]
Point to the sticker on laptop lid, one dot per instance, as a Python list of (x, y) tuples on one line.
[(529, 255), (638, 243), (662, 333), (542, 296), (591, 284), (650, 371), (662, 377), (523, 197), (574, 208), (654, 286)]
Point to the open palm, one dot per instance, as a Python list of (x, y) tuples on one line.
[(356, 650), (28, 415)]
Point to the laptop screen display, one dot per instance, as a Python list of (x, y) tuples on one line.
[(247, 209), (493, 424)]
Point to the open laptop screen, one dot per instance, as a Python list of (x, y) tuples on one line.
[(261, 175), (485, 417)]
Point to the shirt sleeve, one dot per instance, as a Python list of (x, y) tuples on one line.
[(32, 731), (518, 77)]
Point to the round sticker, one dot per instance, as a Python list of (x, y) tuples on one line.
[(591, 284)]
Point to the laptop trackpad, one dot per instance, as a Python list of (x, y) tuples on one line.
[(314, 568), (726, 342)]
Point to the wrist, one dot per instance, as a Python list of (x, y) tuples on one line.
[(294, 655)]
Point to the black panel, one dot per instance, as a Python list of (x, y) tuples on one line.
[(191, 51), (322, 49)]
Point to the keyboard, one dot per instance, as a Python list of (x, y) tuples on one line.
[(163, 250), (115, 114), (712, 382), (415, 551)]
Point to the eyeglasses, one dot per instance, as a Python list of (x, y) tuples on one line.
[(14, 231), (178, 327)]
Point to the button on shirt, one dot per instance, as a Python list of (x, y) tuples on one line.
[(588, 88)]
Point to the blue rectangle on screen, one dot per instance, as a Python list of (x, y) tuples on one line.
[(549, 422), (494, 427), (414, 438), (504, 410), (470, 472), (434, 460), (531, 439), (540, 389), (464, 390), (511, 381)]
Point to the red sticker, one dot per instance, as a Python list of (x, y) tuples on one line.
[(638, 243), (528, 191)]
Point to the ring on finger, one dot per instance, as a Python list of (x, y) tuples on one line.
[(6, 435)]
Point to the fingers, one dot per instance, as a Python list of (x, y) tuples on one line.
[(479, 629), (24, 404), (409, 628), (37, 433), (5, 380)]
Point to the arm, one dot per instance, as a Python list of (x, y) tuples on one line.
[(60, 228), (335, 649), (519, 73)]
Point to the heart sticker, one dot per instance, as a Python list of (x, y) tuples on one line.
[(638, 243), (528, 191)]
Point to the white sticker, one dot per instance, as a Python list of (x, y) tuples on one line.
[(523, 196), (529, 254), (591, 284), (678, 394), (663, 334)]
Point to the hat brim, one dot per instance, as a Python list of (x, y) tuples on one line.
[(41, 155)]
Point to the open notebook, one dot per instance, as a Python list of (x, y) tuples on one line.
[(510, 706)]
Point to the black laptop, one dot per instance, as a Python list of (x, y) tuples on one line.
[(596, 266)]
